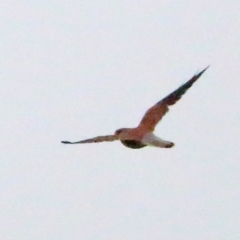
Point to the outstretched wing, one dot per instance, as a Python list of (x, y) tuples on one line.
[(108, 138), (155, 113)]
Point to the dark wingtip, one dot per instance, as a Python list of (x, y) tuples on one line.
[(66, 142), (205, 69)]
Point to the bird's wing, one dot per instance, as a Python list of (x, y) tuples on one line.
[(155, 113), (108, 138)]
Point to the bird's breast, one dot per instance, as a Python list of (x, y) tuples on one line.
[(133, 144)]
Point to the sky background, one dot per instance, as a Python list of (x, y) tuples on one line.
[(72, 70)]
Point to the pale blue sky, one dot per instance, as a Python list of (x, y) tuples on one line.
[(71, 70)]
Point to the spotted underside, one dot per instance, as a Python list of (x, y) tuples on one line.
[(133, 144)]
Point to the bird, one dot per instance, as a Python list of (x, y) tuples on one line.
[(142, 135)]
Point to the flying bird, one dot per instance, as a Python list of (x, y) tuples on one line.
[(142, 135)]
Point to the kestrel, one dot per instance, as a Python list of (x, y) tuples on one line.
[(142, 135)]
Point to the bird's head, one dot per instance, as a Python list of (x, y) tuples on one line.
[(122, 133)]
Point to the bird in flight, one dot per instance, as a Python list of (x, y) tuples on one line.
[(142, 135)]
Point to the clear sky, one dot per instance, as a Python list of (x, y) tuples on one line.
[(72, 70)]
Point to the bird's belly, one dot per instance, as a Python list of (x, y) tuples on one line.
[(133, 144)]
